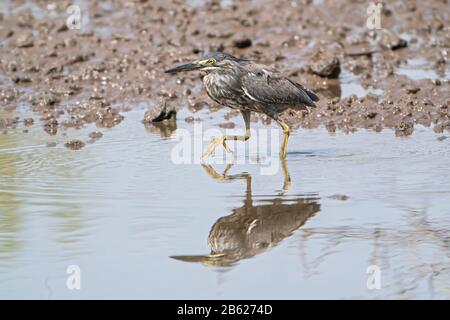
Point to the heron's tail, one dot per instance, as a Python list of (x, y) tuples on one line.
[(312, 96), (309, 97)]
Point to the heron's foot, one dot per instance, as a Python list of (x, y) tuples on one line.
[(214, 174), (215, 142)]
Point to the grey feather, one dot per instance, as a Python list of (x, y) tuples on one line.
[(270, 87)]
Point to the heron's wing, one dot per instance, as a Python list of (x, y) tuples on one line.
[(268, 86), (309, 92)]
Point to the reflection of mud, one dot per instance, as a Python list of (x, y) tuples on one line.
[(331, 90), (164, 129), (254, 228)]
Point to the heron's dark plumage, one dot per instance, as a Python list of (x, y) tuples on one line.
[(268, 86), (242, 84), (220, 56)]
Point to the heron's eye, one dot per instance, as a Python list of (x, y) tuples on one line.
[(211, 61)]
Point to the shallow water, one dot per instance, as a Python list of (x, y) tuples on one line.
[(140, 226)]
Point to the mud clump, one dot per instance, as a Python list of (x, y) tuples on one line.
[(51, 126), (108, 118), (404, 128), (75, 145), (389, 40), (28, 122), (161, 120), (159, 114), (325, 64), (244, 43), (44, 100), (98, 112), (365, 79)]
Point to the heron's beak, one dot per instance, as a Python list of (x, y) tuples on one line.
[(185, 67), (210, 260)]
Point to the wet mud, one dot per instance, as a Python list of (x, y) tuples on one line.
[(396, 77)]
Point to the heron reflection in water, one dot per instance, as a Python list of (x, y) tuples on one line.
[(252, 229)]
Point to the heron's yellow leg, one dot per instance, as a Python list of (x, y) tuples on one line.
[(287, 176), (222, 140), (286, 132), (214, 174), (215, 142)]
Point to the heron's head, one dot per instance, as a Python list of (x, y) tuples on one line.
[(212, 61)]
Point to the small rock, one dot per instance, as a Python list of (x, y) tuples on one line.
[(28, 122), (159, 114), (389, 40), (77, 59), (325, 65), (62, 27), (372, 115), (404, 128), (372, 97), (21, 79), (412, 90), (189, 119), (341, 197), (227, 125), (244, 43), (25, 40)]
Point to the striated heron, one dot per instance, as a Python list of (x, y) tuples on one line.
[(248, 86)]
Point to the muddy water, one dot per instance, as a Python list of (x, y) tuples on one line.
[(140, 226)]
